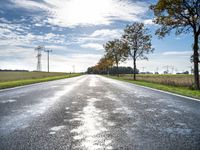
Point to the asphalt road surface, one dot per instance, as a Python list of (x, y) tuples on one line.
[(96, 113)]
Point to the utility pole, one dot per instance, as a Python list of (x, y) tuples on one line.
[(167, 67), (157, 69), (172, 69), (39, 50), (48, 51)]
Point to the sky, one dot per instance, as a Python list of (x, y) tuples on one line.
[(75, 31)]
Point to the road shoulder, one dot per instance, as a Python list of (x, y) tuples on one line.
[(177, 91)]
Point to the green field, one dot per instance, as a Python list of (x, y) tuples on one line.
[(178, 80), (13, 79), (179, 84)]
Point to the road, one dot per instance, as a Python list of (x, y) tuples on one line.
[(92, 112)]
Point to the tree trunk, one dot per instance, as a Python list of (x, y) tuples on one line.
[(196, 62), (117, 69), (134, 69)]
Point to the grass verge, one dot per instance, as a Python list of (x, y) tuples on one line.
[(10, 84), (177, 90)]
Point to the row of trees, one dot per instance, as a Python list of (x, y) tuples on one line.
[(135, 43), (112, 70), (183, 16)]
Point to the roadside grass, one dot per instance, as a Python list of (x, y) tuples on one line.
[(14, 79), (185, 91), (180, 80)]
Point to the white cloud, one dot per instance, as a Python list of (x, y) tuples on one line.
[(29, 4), (18, 34), (95, 46), (149, 22), (107, 33), (187, 53), (56, 47), (100, 36), (73, 13)]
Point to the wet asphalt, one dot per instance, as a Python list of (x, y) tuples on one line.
[(92, 112)]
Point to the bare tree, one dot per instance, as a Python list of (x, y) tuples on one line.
[(139, 43)]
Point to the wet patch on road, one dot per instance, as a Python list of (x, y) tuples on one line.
[(91, 131), (55, 129), (8, 101)]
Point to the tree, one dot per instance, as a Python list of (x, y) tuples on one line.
[(116, 50), (184, 17), (105, 63), (139, 43)]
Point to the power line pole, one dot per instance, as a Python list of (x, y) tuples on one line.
[(157, 69), (48, 51), (39, 55), (172, 69), (167, 67)]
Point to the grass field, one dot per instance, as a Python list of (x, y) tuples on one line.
[(179, 84), (179, 80), (13, 79)]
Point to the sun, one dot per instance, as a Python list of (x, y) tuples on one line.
[(85, 12), (71, 13)]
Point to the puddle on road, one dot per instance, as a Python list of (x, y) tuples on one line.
[(22, 117), (91, 131), (93, 82), (56, 129)]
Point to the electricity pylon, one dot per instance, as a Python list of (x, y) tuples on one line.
[(39, 50)]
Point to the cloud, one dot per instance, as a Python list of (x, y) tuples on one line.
[(100, 36), (29, 5), (55, 24), (182, 53), (19, 34), (107, 33), (80, 61), (74, 13), (95, 46), (149, 22), (10, 51)]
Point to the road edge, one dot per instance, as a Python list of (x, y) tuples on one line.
[(154, 89)]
